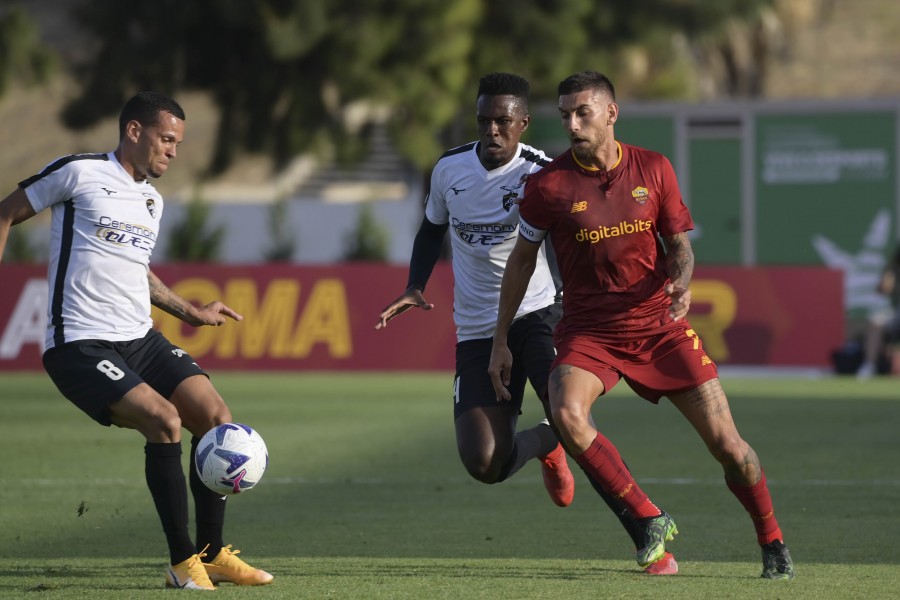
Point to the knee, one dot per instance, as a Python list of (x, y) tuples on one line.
[(164, 423), (482, 466), (569, 420), (730, 451), (211, 414), (220, 414), (200, 405)]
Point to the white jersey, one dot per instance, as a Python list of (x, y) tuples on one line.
[(104, 227), (480, 207)]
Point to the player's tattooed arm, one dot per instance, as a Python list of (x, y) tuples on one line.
[(680, 268), (163, 297), (679, 259), (213, 313)]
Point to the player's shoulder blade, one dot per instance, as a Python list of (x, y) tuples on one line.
[(560, 163), (59, 163), (534, 155), (643, 154), (458, 150)]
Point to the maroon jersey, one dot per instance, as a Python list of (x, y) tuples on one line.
[(605, 227)]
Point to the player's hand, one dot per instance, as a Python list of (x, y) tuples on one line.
[(412, 298), (213, 313), (499, 370), (681, 300)]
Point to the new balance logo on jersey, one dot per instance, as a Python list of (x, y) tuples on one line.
[(178, 352), (456, 192), (109, 192), (579, 206)]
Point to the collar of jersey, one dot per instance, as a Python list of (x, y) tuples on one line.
[(496, 171), (597, 169)]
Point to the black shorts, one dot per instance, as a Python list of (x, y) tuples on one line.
[(93, 374), (530, 340)]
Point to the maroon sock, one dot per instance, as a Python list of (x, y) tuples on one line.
[(602, 461), (758, 503)]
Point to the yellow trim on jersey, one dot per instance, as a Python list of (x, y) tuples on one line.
[(587, 168)]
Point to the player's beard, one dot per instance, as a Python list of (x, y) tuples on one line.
[(586, 154), (589, 153)]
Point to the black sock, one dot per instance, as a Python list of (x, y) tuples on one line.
[(530, 443), (619, 508), (165, 478), (630, 523), (209, 507)]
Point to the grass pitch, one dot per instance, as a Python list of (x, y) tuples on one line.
[(365, 497)]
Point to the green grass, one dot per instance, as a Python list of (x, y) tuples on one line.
[(365, 497)]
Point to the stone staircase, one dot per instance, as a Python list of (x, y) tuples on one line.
[(382, 175)]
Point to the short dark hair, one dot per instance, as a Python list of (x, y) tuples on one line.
[(144, 107), (504, 84), (586, 80)]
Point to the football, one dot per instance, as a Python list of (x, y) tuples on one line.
[(231, 458)]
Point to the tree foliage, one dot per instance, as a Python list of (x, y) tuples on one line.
[(23, 58), (18, 246), (294, 76), (369, 241), (282, 240), (193, 239)]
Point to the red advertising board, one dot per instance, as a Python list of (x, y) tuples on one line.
[(323, 318)]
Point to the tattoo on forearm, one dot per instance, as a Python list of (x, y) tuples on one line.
[(679, 259), (166, 299)]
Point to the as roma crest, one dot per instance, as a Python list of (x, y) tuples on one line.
[(640, 195)]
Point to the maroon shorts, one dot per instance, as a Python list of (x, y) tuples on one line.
[(667, 362)]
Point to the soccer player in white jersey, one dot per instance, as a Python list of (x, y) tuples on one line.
[(100, 348), (474, 192)]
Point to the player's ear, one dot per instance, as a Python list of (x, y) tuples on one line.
[(133, 130), (526, 120), (612, 113)]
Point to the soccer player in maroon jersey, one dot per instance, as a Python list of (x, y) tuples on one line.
[(475, 187), (619, 229)]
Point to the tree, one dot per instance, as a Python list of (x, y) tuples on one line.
[(18, 246), (281, 237), (369, 242), (293, 76), (193, 239), (22, 56), (288, 75)]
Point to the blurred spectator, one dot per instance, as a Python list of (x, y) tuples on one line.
[(883, 325)]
